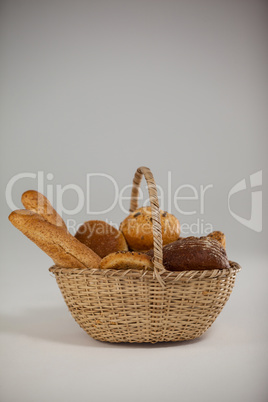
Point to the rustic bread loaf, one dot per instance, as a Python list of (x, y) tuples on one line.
[(61, 246), (192, 253), (37, 202), (126, 260), (138, 229), (101, 237)]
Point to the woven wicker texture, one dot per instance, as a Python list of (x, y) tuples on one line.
[(145, 306), (131, 306)]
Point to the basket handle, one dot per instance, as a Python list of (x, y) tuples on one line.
[(157, 230)]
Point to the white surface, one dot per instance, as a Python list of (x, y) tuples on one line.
[(45, 355)]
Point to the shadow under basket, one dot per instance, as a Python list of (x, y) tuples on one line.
[(145, 306)]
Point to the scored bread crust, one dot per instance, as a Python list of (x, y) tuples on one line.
[(193, 253), (101, 237), (61, 246), (37, 202), (126, 260), (138, 229)]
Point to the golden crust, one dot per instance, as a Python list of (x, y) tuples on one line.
[(138, 229), (219, 236), (37, 202), (126, 260), (101, 237), (61, 246)]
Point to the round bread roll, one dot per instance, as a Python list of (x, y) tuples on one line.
[(193, 253), (127, 260), (219, 236), (138, 229), (101, 237)]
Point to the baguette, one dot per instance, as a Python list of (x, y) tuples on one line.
[(61, 246), (37, 202)]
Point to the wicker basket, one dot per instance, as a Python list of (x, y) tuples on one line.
[(145, 306)]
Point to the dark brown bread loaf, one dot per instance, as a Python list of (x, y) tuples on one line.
[(192, 253), (101, 237)]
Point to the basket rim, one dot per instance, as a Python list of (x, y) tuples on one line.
[(138, 274)]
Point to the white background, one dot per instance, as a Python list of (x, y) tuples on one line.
[(105, 87)]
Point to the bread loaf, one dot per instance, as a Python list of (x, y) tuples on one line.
[(61, 246), (126, 260), (192, 253), (37, 202), (101, 237), (138, 229)]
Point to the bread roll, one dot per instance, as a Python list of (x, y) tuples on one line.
[(219, 236), (37, 202), (101, 237), (138, 229), (126, 260), (192, 253), (61, 246)]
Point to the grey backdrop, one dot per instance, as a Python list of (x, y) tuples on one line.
[(104, 87)]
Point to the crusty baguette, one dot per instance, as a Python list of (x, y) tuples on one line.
[(61, 246), (37, 202)]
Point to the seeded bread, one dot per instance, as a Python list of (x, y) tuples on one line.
[(219, 236), (192, 253), (138, 229)]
